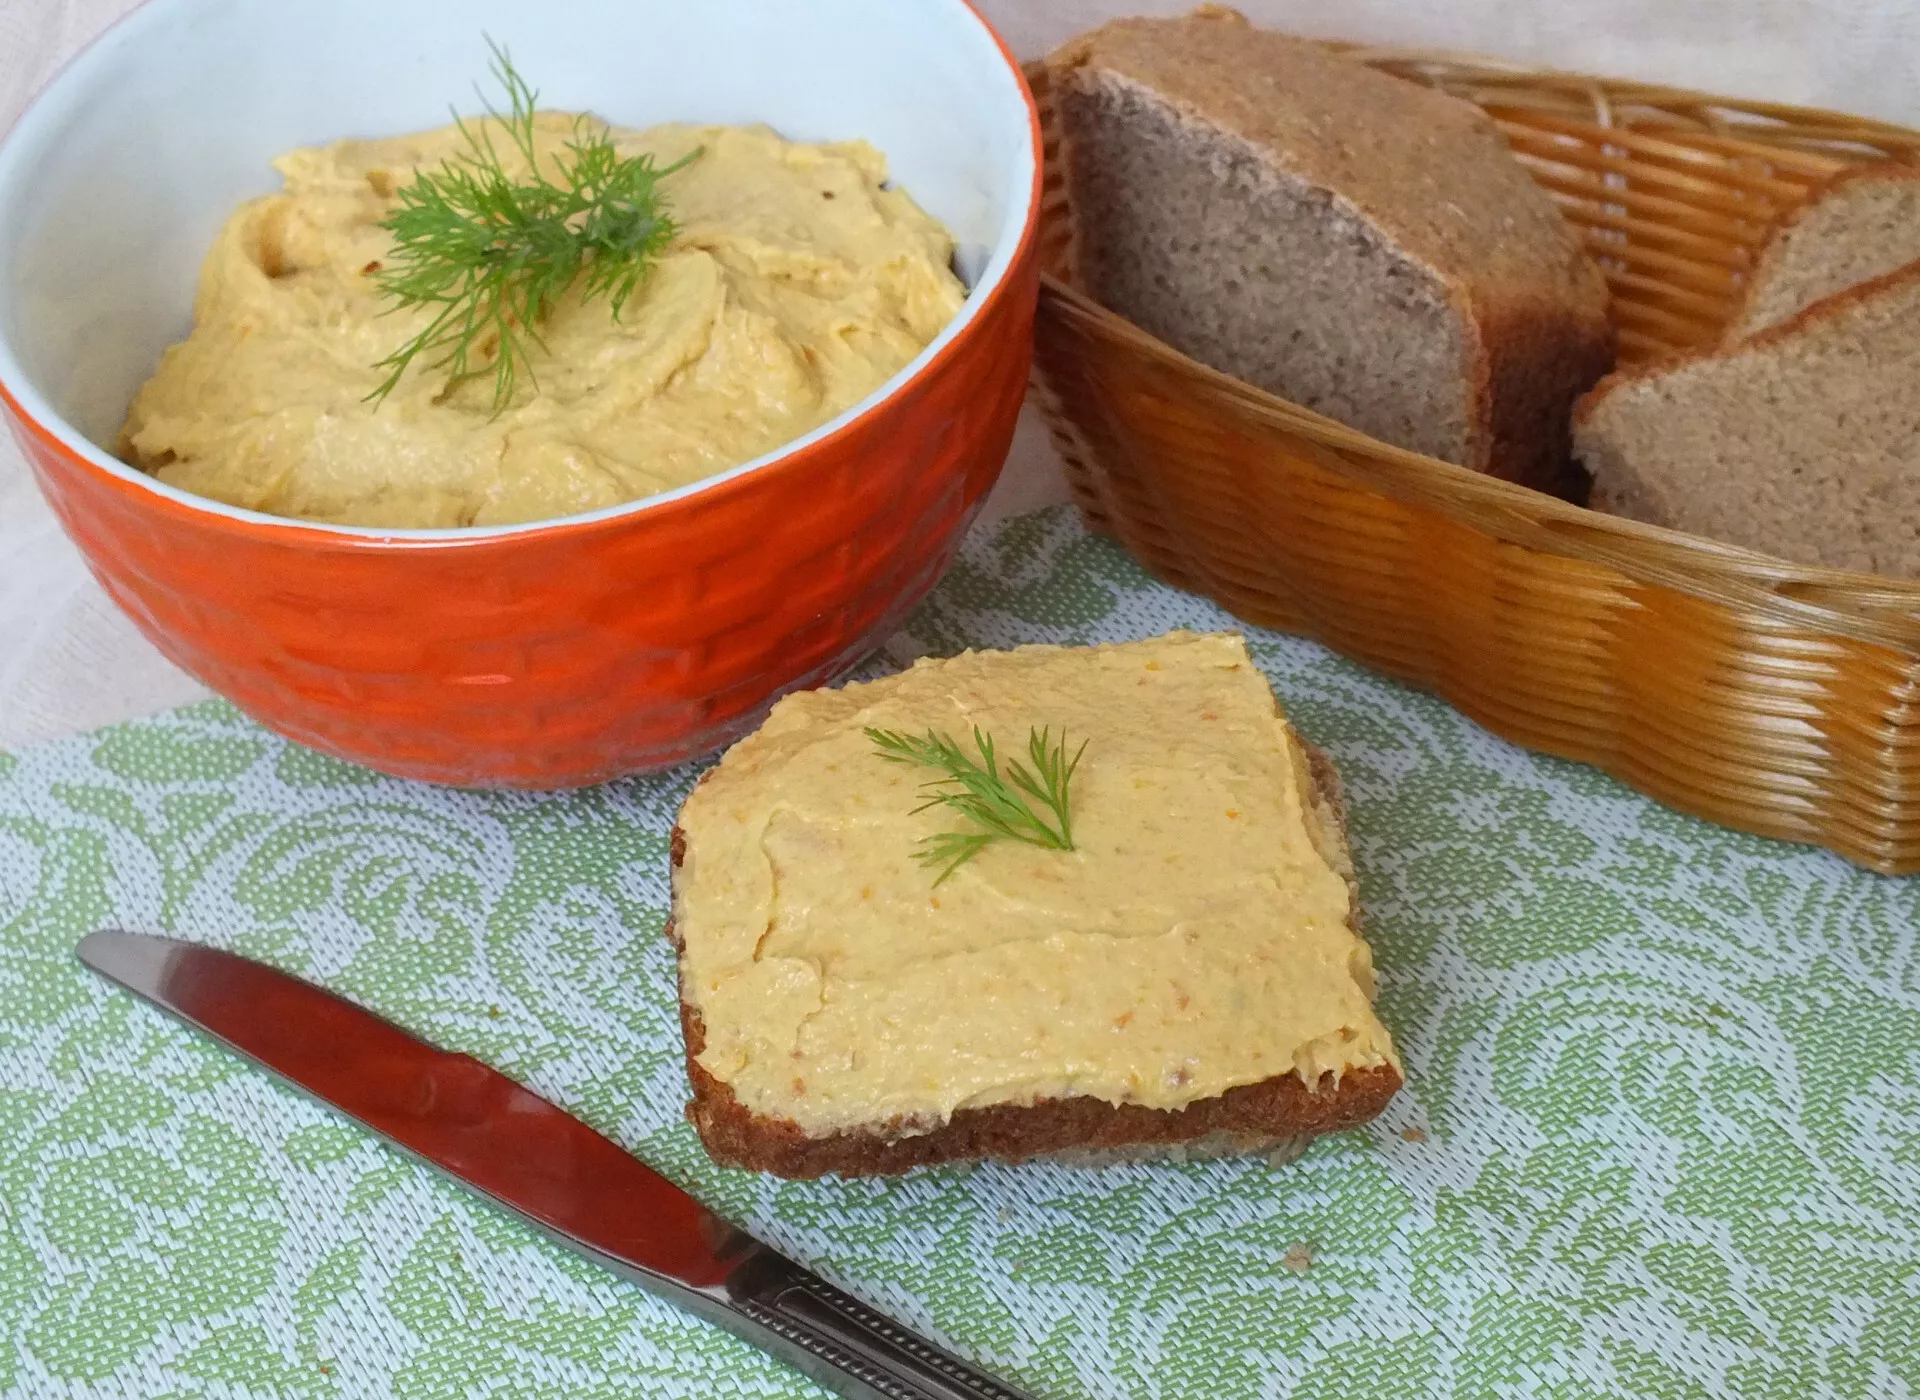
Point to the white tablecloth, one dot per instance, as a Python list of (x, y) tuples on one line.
[(69, 661)]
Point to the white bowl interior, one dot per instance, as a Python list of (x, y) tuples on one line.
[(114, 182)]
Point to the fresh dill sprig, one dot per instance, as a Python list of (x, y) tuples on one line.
[(1001, 807), (493, 252)]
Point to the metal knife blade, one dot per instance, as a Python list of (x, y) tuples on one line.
[(525, 1155)]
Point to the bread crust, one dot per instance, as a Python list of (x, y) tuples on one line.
[(1536, 342), (1251, 1118), (1808, 317), (1538, 364), (1773, 245)]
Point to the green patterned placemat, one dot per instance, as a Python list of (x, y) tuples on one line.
[(1661, 1135)]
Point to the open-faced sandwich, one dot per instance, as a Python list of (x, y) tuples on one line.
[(1089, 902)]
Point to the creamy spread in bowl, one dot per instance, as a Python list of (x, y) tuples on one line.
[(799, 282)]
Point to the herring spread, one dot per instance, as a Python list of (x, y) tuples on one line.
[(799, 282), (1197, 938)]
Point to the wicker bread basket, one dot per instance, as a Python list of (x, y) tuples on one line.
[(1776, 698)]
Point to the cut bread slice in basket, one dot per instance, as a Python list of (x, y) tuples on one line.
[(1863, 224), (1801, 439)]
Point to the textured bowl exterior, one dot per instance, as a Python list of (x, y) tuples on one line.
[(1771, 697), (570, 654)]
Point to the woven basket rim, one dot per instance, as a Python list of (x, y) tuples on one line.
[(1493, 68)]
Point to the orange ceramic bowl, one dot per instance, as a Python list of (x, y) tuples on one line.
[(558, 653)]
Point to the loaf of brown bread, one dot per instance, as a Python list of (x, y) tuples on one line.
[(1802, 441), (1863, 224), (1356, 243), (1187, 980)]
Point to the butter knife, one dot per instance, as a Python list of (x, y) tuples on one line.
[(523, 1154)]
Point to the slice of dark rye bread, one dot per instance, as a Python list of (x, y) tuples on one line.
[(1862, 224), (1354, 242), (1802, 441), (1274, 1117)]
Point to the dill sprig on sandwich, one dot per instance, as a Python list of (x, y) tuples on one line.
[(1000, 806)]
